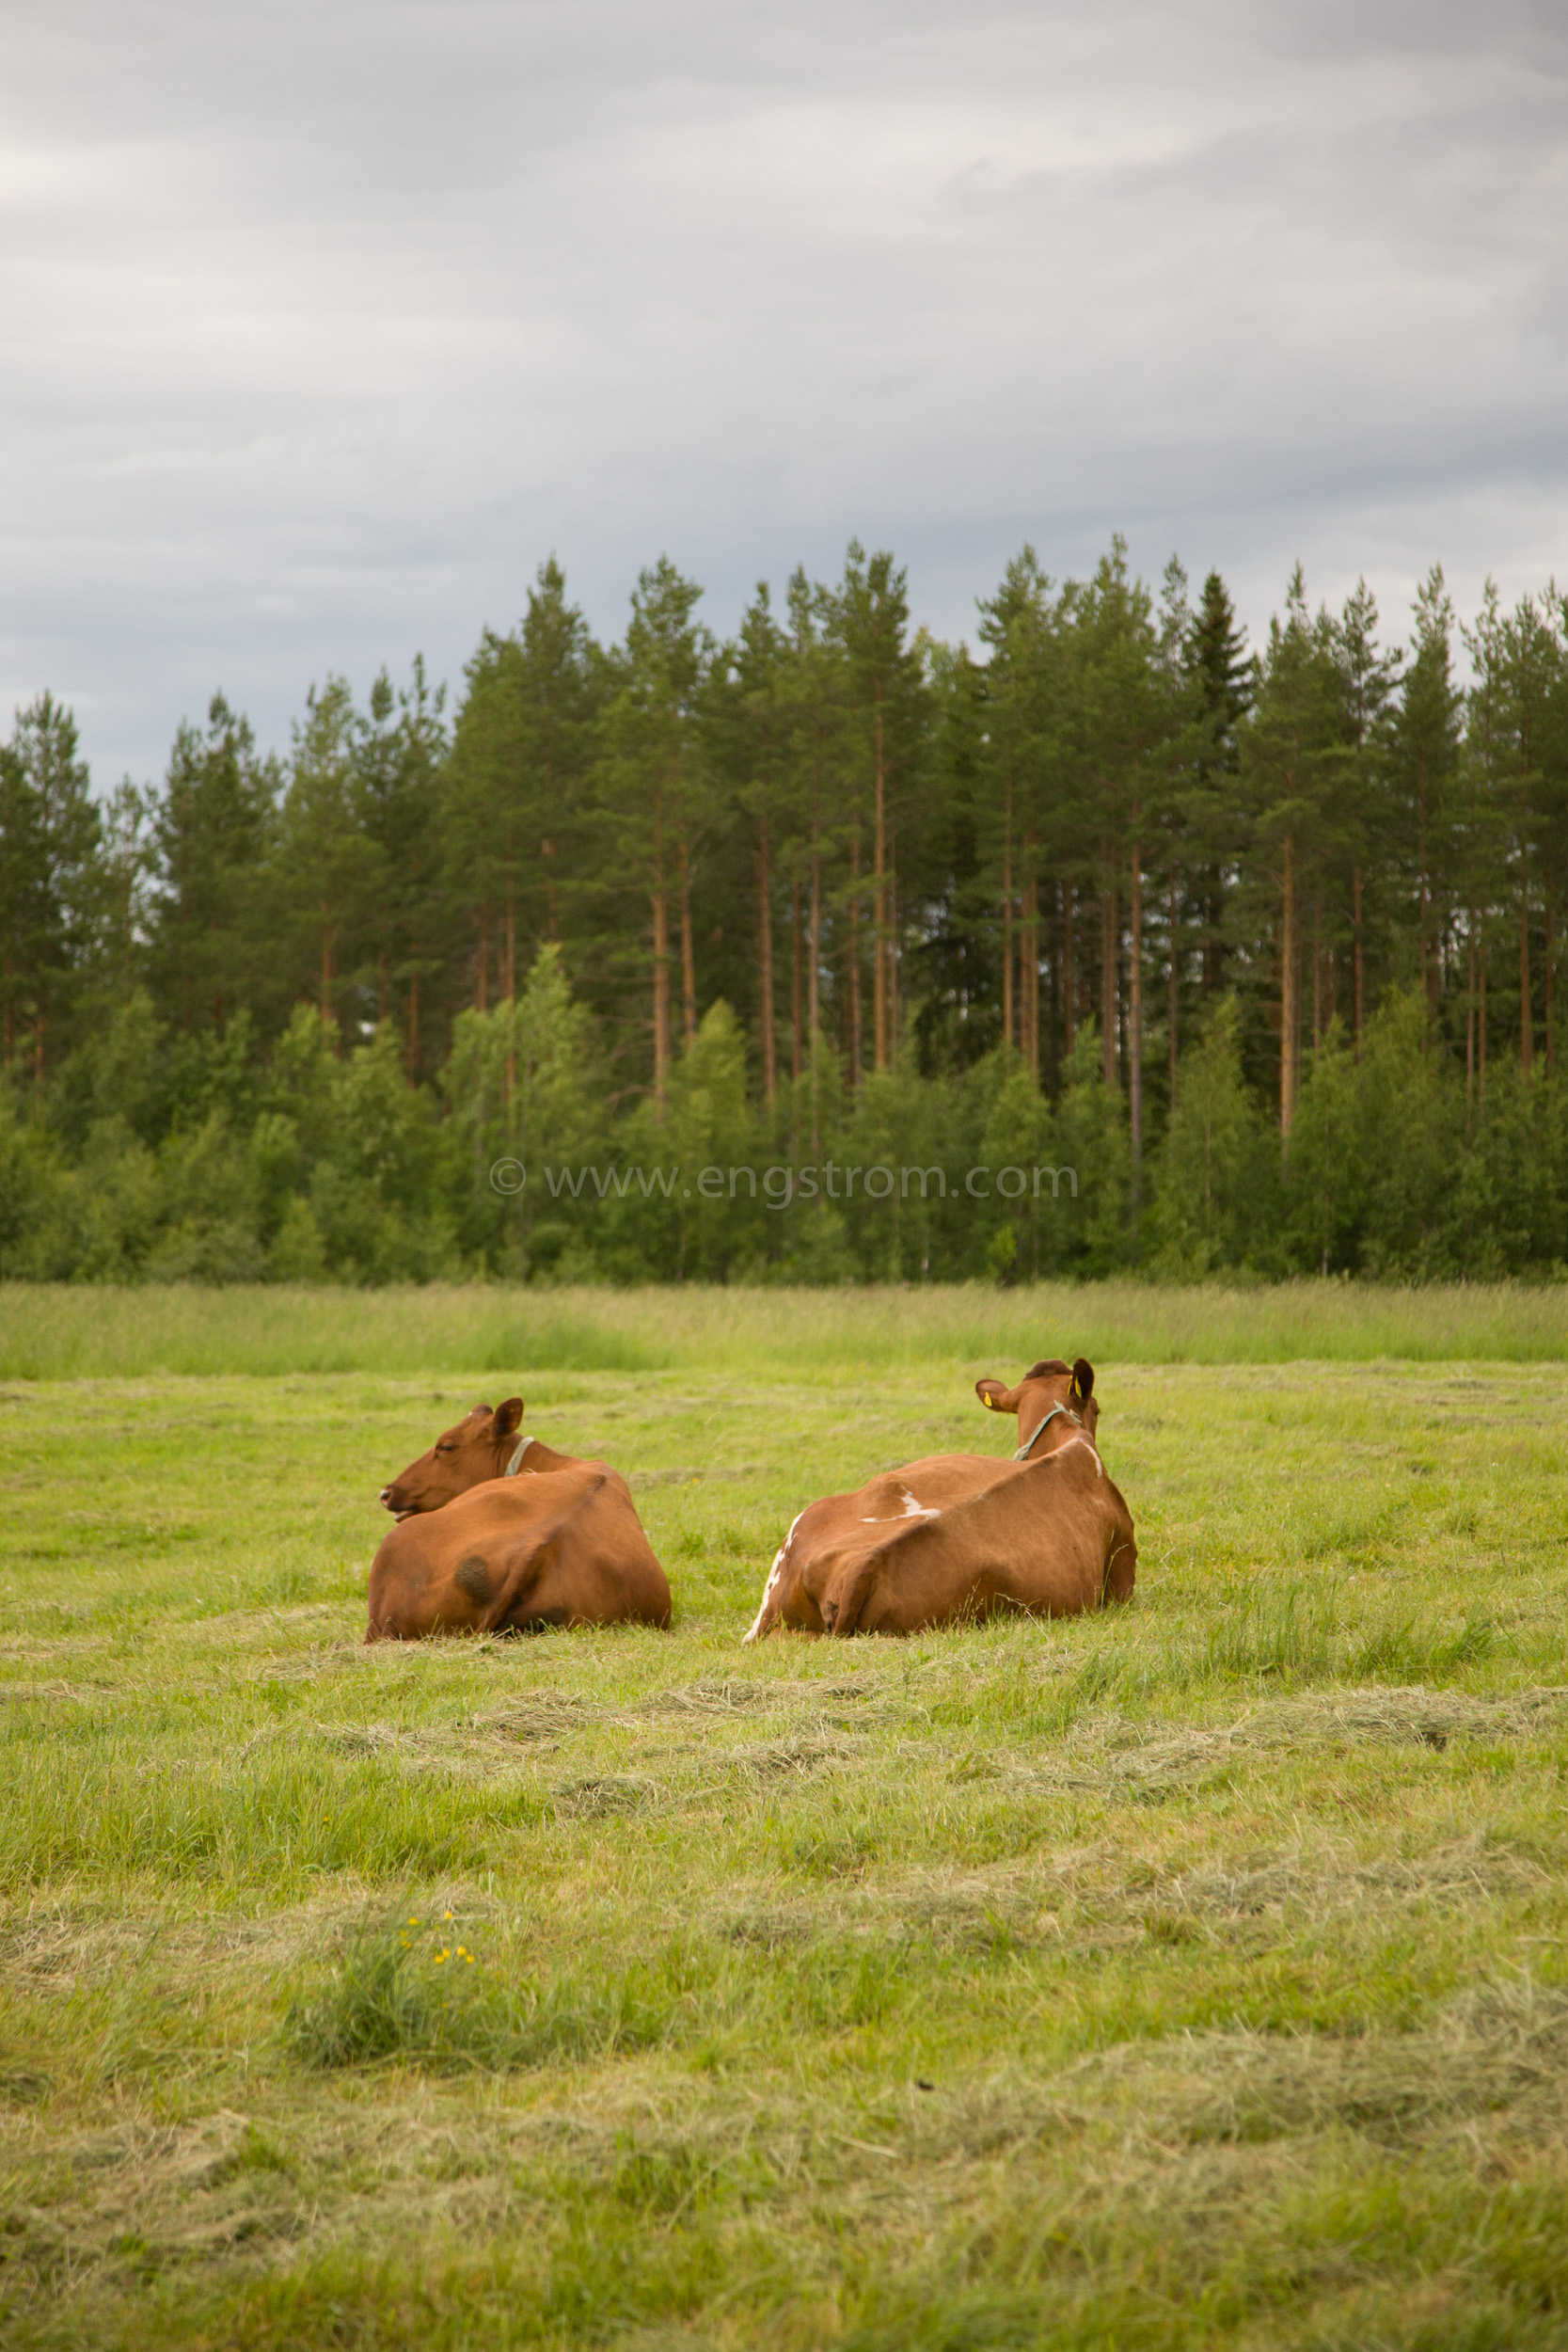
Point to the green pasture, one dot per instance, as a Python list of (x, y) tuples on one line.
[(1192, 1976), (54, 1331)]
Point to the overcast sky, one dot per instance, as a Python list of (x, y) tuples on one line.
[(320, 326)]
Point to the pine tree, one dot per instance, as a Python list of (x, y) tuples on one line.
[(653, 780), (806, 692), (323, 842), (397, 761), (1127, 726), (60, 892), (1294, 756), (1356, 824), (1223, 680), (1517, 659), (750, 736), (1021, 685), (885, 689), (25, 914), (213, 829), (1424, 767), (515, 818)]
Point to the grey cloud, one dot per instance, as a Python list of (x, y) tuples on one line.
[(322, 326)]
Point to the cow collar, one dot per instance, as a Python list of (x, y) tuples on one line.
[(517, 1453), (1022, 1453)]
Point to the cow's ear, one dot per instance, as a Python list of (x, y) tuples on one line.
[(995, 1397), (509, 1416), (1083, 1381)]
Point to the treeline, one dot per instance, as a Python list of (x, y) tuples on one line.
[(1263, 947)]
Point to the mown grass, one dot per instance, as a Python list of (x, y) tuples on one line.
[(54, 1331), (1192, 1976)]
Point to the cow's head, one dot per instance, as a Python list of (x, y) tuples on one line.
[(480, 1447), (1049, 1382)]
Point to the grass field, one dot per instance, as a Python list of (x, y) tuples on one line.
[(1192, 1976), (52, 1333)]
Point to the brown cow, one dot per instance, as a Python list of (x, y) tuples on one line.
[(959, 1536), (498, 1533)]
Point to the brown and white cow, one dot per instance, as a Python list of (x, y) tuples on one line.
[(959, 1536), (498, 1533)]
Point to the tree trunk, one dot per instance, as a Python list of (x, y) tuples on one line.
[(1070, 972), (661, 966), (483, 996), (1110, 957), (380, 986), (1030, 967), (1135, 1027), (413, 1047), (1550, 960), (1421, 911), (689, 960), (1317, 974), (881, 944), (857, 1067), (1007, 912), (1481, 1028), (1470, 1030), (890, 896), (813, 985), (1526, 1008), (765, 964), (1174, 1004), (1288, 995), (1358, 1003), (511, 989), (552, 924), (813, 956), (796, 978), (326, 969)]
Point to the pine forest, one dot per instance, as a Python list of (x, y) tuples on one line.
[(828, 952)]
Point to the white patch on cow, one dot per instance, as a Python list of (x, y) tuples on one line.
[(911, 1510), (774, 1573)]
